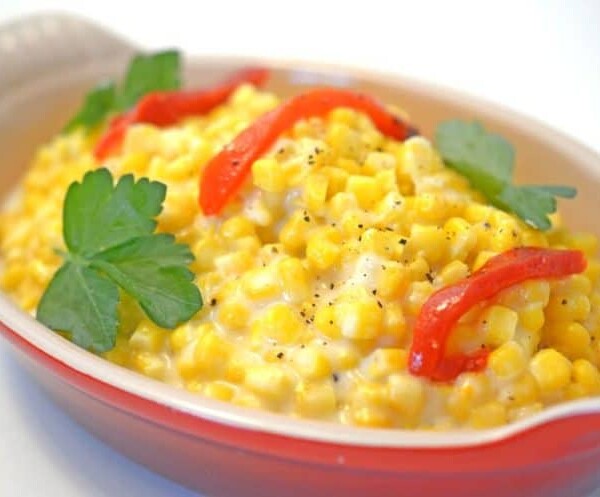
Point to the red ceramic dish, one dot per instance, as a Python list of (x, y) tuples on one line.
[(224, 450)]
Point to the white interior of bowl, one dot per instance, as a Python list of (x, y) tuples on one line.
[(21, 92)]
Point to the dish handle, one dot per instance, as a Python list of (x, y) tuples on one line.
[(41, 44)]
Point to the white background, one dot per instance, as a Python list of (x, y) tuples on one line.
[(539, 57)]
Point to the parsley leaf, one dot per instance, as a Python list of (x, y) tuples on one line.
[(109, 233), (152, 269), (97, 105), (146, 73), (487, 161), (84, 303), (121, 212)]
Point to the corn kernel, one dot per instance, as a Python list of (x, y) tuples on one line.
[(532, 318), (551, 369), (507, 361), (360, 318), (500, 324), (322, 253), (393, 281), (233, 314), (325, 321), (488, 415), (311, 363), (268, 174), (261, 283), (520, 392), (294, 279), (365, 189), (315, 400), (586, 375), (384, 362), (219, 390), (315, 191), (147, 337), (278, 322), (452, 272), (394, 322), (407, 395), (268, 381), (237, 227), (572, 339)]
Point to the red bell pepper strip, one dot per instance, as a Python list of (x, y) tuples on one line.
[(163, 108), (445, 307), (224, 175)]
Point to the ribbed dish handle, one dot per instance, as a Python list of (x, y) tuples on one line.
[(33, 46)]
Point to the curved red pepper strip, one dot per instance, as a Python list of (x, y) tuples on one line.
[(445, 307), (224, 175), (167, 107)]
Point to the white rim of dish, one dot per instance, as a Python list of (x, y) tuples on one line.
[(136, 384)]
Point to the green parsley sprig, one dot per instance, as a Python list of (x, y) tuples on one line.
[(146, 73), (109, 233), (487, 161)]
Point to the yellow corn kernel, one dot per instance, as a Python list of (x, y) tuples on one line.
[(294, 278), (322, 253), (248, 400), (488, 415), (419, 158), (315, 191), (452, 272), (261, 283), (219, 390), (499, 325), (336, 179), (372, 417), (268, 381), (182, 336), (234, 263), (551, 369), (147, 337), (325, 321), (135, 163), (427, 241), (293, 233), (482, 258), (237, 227), (393, 281), (386, 181), (359, 318), (407, 395), (574, 307), (149, 364), (384, 362), (507, 361), (520, 392), (315, 400), (532, 318), (365, 189), (343, 355), (470, 389), (572, 340), (268, 174), (586, 375), (278, 322), (311, 363), (394, 322), (416, 295), (211, 353), (233, 314), (462, 238), (341, 203), (344, 140), (205, 250), (380, 161)]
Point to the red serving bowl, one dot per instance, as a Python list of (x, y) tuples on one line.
[(224, 450)]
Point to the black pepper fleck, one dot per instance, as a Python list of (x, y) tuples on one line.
[(331, 286), (280, 355), (403, 241), (213, 302), (563, 301), (335, 377)]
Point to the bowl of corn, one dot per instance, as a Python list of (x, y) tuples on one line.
[(283, 343)]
